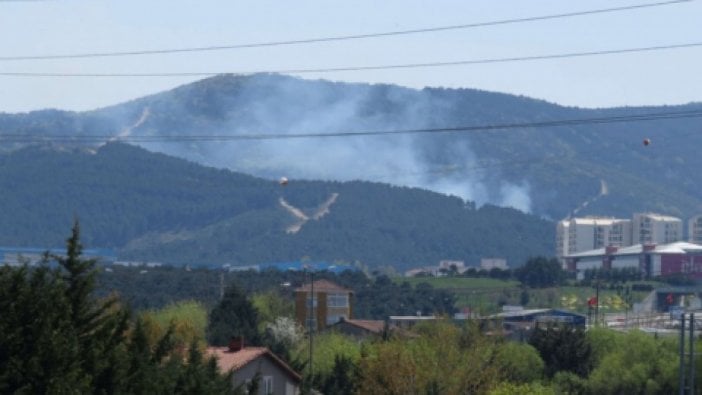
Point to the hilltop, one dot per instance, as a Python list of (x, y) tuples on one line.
[(548, 171)]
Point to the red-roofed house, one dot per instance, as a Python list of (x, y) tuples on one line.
[(275, 375), (330, 303), (361, 328)]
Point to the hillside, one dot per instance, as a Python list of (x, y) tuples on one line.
[(549, 171), (154, 207)]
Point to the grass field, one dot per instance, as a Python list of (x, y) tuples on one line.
[(460, 282), (487, 295)]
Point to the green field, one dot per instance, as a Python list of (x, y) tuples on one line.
[(460, 282), (487, 295)]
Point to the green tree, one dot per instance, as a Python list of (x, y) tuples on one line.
[(563, 348), (57, 338), (540, 272), (270, 305), (39, 351), (343, 379), (99, 325), (521, 363), (440, 358), (637, 364), (234, 315)]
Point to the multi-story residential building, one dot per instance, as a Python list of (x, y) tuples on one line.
[(649, 228), (321, 304), (620, 233), (562, 238), (590, 233), (694, 229)]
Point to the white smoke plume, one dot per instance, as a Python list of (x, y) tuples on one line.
[(297, 106)]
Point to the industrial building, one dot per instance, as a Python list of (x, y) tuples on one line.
[(651, 259)]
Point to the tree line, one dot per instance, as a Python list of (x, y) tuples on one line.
[(58, 339)]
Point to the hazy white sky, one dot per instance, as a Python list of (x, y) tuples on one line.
[(58, 27)]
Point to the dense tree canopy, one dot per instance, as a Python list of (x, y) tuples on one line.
[(57, 338), (233, 316), (540, 272), (150, 207)]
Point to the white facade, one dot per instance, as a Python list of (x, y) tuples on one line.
[(651, 228), (491, 263), (591, 233), (562, 238), (694, 229), (620, 234)]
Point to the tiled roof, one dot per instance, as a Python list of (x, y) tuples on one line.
[(233, 361), (375, 326), (227, 360), (323, 286)]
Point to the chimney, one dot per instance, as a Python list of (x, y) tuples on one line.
[(236, 343)]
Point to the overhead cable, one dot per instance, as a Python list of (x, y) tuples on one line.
[(284, 136), (338, 38), (359, 68)]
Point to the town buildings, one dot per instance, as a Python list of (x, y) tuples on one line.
[(694, 229), (651, 228), (651, 260), (651, 243), (322, 303), (576, 235), (582, 234)]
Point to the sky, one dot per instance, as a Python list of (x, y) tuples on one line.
[(53, 27)]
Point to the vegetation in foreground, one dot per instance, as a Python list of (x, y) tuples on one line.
[(59, 338)]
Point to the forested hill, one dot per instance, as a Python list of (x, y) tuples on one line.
[(158, 208), (550, 171)]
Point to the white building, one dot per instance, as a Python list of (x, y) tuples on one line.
[(492, 263), (591, 233), (649, 228), (694, 229), (562, 238), (651, 259)]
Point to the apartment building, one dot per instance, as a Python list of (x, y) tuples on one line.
[(562, 232), (694, 229), (321, 304), (590, 233), (649, 228)]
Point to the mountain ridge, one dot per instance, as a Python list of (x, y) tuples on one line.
[(547, 171)]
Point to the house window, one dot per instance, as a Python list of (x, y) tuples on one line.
[(338, 300), (267, 385), (311, 301)]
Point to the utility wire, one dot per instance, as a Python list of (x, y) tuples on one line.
[(285, 136), (339, 38), (363, 68)]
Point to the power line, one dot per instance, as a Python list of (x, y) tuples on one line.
[(340, 38), (285, 136), (364, 68)]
